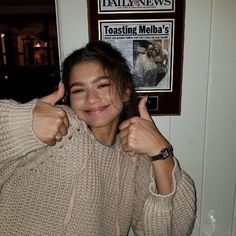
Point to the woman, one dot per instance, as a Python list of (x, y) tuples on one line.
[(86, 170), (161, 59)]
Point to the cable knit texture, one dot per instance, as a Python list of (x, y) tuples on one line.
[(82, 187)]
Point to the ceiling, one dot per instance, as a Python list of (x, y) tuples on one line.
[(9, 7), (25, 2)]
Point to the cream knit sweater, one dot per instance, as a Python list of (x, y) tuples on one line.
[(82, 187)]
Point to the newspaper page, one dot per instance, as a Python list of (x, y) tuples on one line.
[(147, 45)]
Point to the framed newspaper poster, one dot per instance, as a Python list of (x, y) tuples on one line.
[(150, 36)]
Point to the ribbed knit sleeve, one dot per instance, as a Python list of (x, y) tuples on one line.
[(165, 215), (16, 135)]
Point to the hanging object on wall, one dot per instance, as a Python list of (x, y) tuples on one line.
[(150, 34)]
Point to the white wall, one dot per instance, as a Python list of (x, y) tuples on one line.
[(220, 137), (204, 136)]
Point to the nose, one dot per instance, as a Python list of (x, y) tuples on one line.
[(92, 96)]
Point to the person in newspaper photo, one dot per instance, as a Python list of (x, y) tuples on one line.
[(145, 68), (94, 167), (160, 57)]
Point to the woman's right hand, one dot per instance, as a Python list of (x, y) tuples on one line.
[(50, 123)]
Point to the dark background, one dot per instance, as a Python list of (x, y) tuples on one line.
[(29, 63)]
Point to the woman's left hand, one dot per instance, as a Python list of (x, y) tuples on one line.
[(140, 135)]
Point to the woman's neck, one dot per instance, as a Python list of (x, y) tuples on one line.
[(105, 135)]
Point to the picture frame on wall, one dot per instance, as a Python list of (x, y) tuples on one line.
[(150, 36)]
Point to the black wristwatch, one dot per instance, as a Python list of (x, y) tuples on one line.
[(166, 152)]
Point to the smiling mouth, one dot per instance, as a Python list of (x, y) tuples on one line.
[(96, 110)]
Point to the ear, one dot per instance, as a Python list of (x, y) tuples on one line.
[(126, 95)]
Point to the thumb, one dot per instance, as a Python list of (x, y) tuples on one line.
[(55, 96), (143, 111)]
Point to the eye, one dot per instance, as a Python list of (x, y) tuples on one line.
[(78, 91), (104, 85)]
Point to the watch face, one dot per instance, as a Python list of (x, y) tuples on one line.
[(165, 154)]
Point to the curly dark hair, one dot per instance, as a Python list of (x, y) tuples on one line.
[(112, 62)]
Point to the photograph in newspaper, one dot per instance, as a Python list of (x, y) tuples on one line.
[(148, 47)]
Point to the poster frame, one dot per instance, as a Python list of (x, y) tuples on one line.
[(162, 100)]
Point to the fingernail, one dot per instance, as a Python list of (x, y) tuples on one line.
[(60, 84), (146, 98)]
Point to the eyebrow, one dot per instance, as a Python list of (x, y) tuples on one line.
[(93, 81)]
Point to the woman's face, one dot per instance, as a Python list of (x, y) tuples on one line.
[(157, 47), (94, 97)]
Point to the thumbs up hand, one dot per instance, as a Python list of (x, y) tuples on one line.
[(140, 135), (48, 120)]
